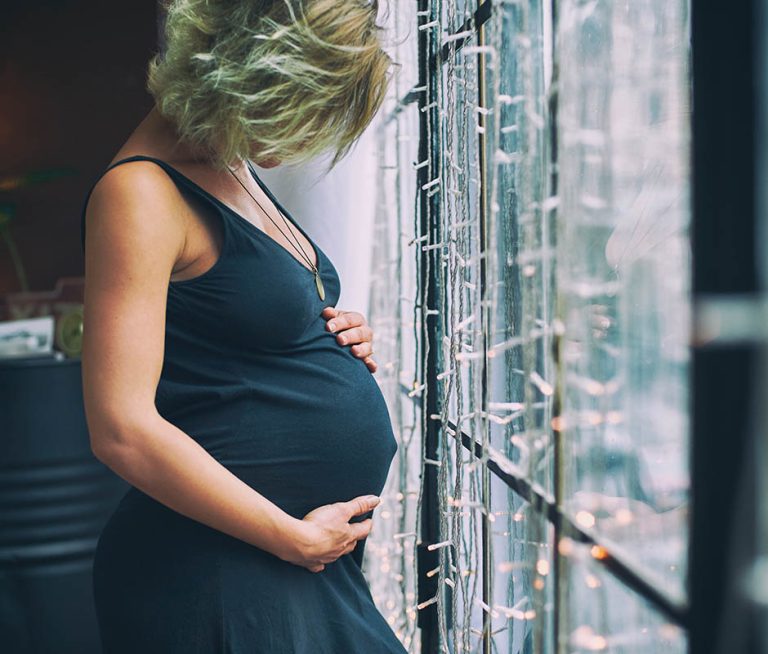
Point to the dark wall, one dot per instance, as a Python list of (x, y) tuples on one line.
[(72, 76)]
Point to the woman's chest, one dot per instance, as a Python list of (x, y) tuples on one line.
[(253, 297)]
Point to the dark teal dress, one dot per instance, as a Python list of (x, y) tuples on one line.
[(251, 374)]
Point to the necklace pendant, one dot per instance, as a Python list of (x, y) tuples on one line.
[(320, 288)]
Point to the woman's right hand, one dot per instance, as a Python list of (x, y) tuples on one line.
[(325, 533)]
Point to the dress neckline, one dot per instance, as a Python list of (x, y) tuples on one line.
[(248, 224), (284, 211)]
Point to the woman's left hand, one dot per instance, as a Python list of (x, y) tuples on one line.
[(352, 329)]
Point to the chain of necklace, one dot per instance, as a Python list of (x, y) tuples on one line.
[(299, 249)]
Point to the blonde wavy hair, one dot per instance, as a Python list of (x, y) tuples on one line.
[(256, 79)]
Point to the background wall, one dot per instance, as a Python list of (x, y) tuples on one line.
[(71, 91)]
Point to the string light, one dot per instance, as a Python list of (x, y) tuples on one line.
[(526, 274)]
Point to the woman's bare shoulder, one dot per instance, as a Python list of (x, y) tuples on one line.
[(137, 201), (132, 183)]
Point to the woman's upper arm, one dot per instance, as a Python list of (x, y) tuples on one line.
[(134, 236)]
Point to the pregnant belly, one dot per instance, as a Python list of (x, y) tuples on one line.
[(308, 430)]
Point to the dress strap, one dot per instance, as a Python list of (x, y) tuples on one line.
[(172, 172)]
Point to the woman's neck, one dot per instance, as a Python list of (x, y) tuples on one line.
[(159, 135), (162, 135)]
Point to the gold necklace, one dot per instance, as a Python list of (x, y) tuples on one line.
[(299, 249)]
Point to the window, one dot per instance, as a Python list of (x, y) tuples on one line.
[(532, 305)]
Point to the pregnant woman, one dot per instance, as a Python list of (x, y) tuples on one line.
[(220, 380)]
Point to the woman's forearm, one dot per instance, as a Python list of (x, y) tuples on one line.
[(164, 462)]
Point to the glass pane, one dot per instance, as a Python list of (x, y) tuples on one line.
[(462, 339), (521, 257), (455, 13), (504, 582), (601, 615), (624, 276), (523, 580), (618, 299)]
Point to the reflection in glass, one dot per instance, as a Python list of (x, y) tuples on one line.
[(624, 276), (601, 615)]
